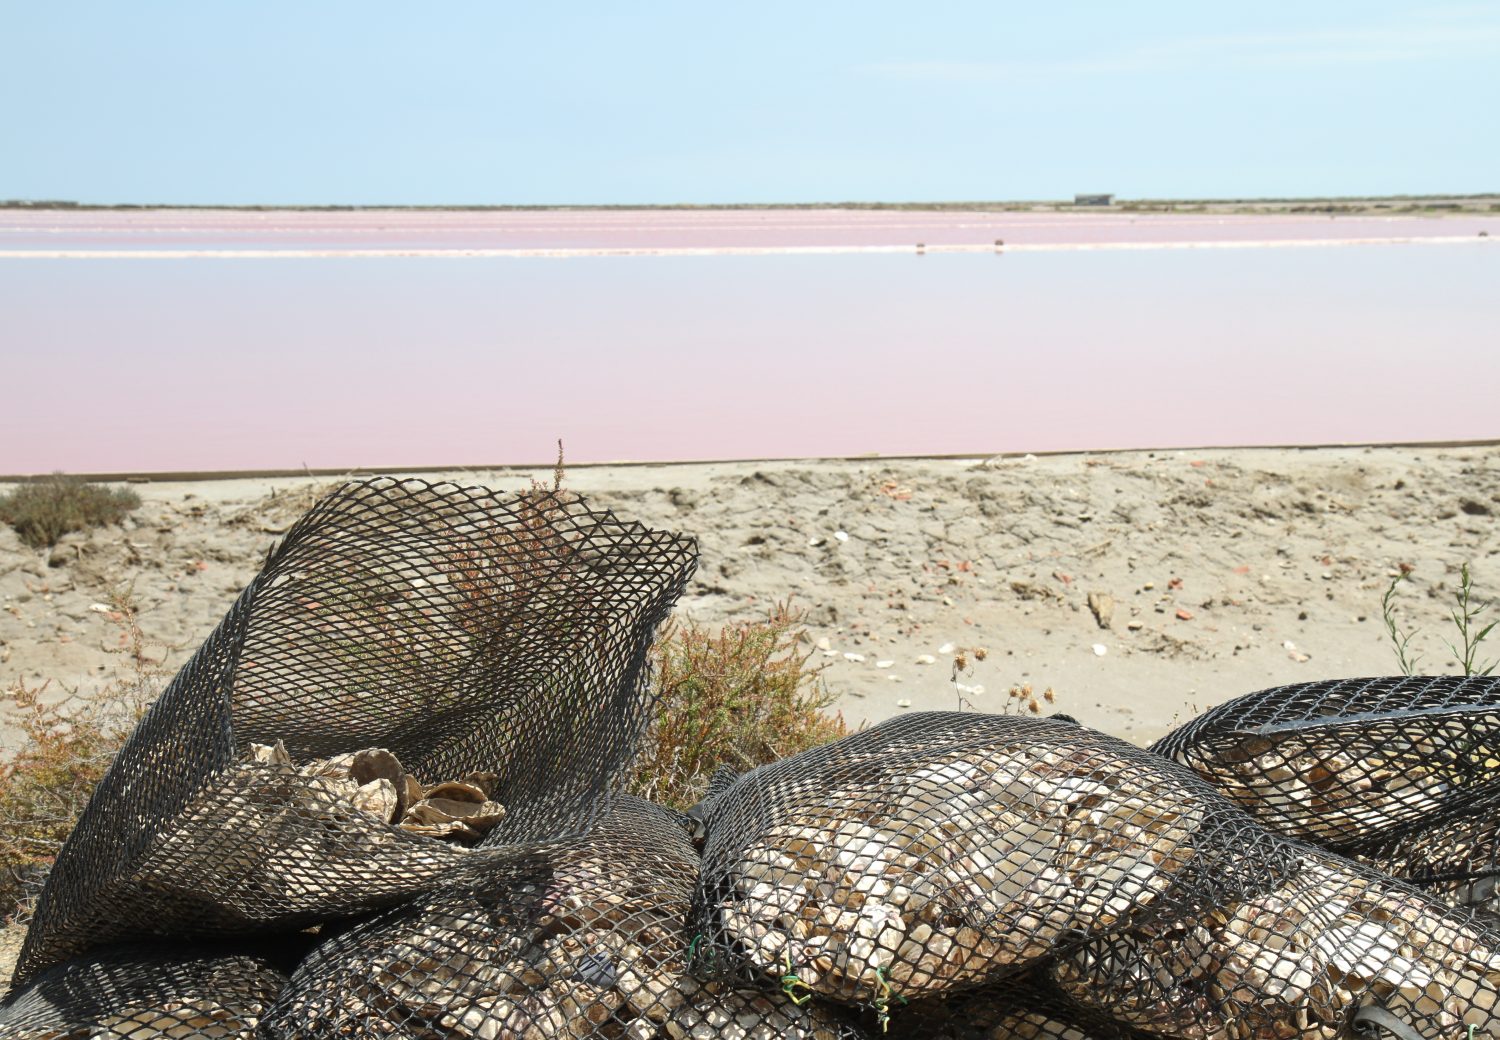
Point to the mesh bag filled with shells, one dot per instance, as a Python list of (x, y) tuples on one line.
[(146, 993), (1455, 853), (1335, 948), (1021, 1007), (1349, 763), (583, 938), (417, 669), (941, 850)]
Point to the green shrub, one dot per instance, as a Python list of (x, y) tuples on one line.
[(742, 697), (44, 511)]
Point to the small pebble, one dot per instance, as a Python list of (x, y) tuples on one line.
[(1100, 649), (842, 536), (926, 659), (824, 644), (946, 648), (903, 703), (854, 657), (884, 664)]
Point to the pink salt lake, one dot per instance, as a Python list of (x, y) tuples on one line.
[(189, 340)]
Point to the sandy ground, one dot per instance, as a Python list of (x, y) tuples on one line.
[(1216, 572)]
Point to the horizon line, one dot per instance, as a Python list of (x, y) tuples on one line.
[(1118, 201), (193, 476)]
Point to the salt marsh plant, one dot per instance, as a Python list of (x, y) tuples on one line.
[(1467, 615), (43, 511)]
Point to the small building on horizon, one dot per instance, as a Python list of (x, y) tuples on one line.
[(1093, 200)]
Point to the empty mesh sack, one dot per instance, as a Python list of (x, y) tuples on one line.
[(404, 643)]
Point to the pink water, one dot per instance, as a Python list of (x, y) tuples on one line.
[(729, 230), (206, 363)]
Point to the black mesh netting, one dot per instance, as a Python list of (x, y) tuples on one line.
[(1337, 947), (940, 850), (1343, 762), (1022, 1007), (1455, 853), (417, 670), (1402, 773), (578, 939), (147, 993)]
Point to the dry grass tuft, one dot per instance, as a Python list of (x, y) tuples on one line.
[(45, 510), (66, 746), (742, 697)]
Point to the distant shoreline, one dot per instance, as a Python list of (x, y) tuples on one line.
[(977, 457), (820, 250), (1433, 205)]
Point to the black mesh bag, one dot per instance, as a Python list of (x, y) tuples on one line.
[(418, 669), (1334, 949), (1022, 1007), (942, 850), (578, 939), (1348, 763), (1455, 853), (146, 993)]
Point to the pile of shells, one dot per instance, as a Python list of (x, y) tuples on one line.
[(943, 875), (173, 1020), (271, 841), (373, 781), (591, 945), (1294, 962)]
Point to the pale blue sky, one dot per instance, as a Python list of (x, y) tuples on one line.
[(290, 101)]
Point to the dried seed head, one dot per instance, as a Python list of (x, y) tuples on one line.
[(1033, 707), (980, 653), (1026, 689), (1047, 693), (960, 662)]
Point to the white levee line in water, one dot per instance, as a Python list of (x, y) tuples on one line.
[(564, 253)]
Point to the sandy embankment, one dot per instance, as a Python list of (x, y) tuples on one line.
[(1227, 570), (1213, 561)]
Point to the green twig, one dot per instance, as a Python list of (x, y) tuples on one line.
[(1401, 641), (1466, 619)]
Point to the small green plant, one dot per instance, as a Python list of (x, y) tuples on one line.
[(45, 510), (1466, 616), (742, 697), (1401, 641)]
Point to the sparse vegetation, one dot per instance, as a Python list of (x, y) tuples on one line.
[(742, 697), (45, 510), (1467, 614), (66, 745), (1406, 658)]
